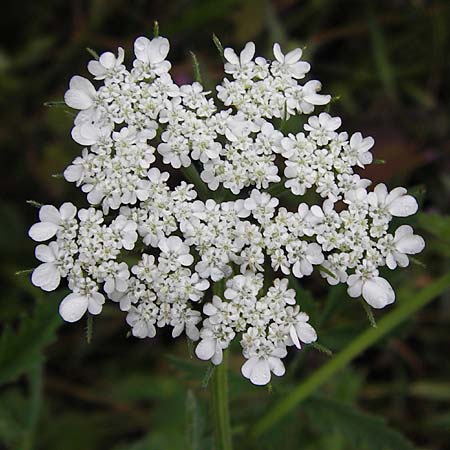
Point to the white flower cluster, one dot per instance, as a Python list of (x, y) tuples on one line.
[(210, 267)]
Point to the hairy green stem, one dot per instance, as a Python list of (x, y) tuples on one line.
[(405, 308), (220, 406)]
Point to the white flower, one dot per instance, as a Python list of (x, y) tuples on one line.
[(81, 93), (209, 347), (117, 282), (303, 257), (258, 369), (153, 52), (261, 205), (174, 253), (74, 306), (88, 134), (395, 202), (310, 96), (106, 64), (142, 319), (236, 63), (405, 243), (360, 147), (149, 245), (302, 331), (47, 276), (322, 128), (291, 62), (376, 291), (51, 221)]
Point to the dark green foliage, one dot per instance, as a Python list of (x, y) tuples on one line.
[(21, 348), (361, 429)]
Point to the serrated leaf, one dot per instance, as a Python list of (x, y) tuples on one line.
[(362, 429), (22, 348)]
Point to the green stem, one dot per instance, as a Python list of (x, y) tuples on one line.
[(220, 406), (405, 308)]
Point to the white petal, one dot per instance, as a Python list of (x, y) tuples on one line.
[(42, 231), (85, 134), (82, 84), (293, 56), (81, 93), (402, 260), (276, 366), (218, 356), (230, 55), (260, 374), (158, 49), (298, 70), (73, 173), (206, 349), (77, 100), (46, 276), (247, 53), (306, 333), (177, 330), (140, 329), (391, 261), (354, 286), (306, 267), (192, 332), (403, 206), (96, 69), (67, 211), (174, 243), (247, 367), (296, 270), (403, 230), (141, 45), (278, 53), (95, 303), (107, 60), (294, 337), (209, 309), (44, 253), (381, 192), (378, 293), (73, 307), (48, 213), (411, 244)]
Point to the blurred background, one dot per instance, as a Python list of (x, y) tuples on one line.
[(388, 62)]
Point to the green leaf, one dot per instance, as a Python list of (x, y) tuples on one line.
[(362, 429), (22, 349), (196, 67), (218, 45)]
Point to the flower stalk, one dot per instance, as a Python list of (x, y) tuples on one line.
[(220, 406)]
